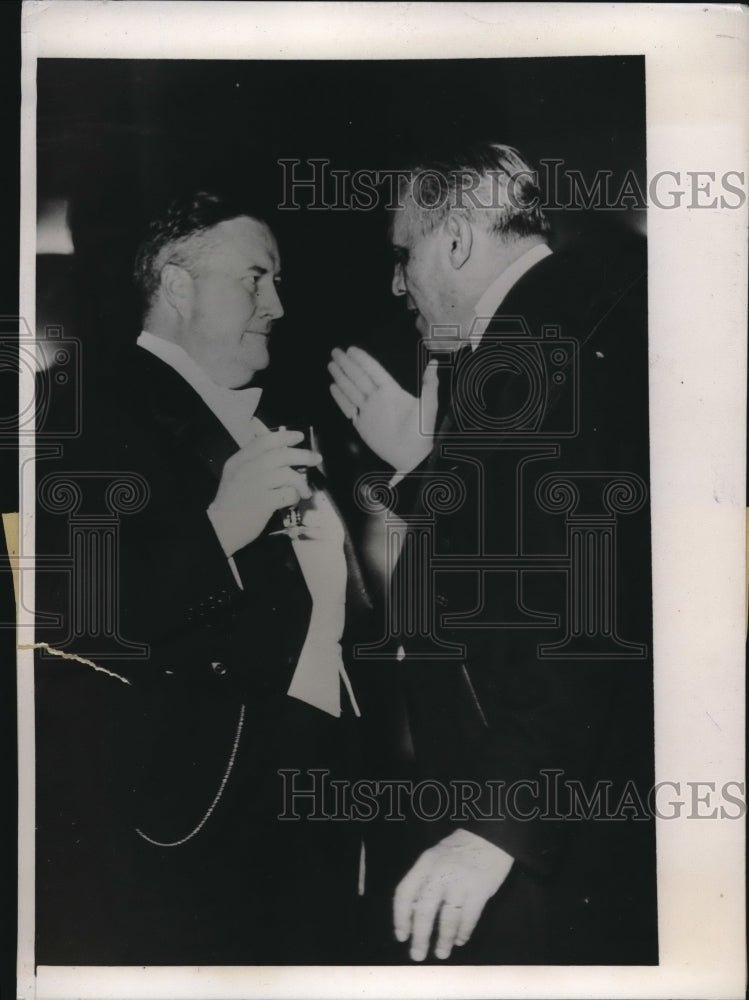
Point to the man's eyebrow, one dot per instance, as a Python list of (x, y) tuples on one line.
[(257, 269)]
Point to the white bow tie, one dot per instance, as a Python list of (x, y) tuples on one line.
[(235, 408), (245, 401)]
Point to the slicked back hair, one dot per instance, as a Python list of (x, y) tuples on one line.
[(182, 235), (492, 184)]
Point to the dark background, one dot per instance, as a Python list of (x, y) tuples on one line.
[(118, 137)]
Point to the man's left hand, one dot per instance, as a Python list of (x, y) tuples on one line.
[(454, 879)]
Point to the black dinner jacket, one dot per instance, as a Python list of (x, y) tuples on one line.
[(502, 712), (158, 799), (213, 649)]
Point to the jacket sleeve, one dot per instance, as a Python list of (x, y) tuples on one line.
[(534, 733)]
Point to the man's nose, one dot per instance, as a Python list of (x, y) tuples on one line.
[(398, 286), (273, 306)]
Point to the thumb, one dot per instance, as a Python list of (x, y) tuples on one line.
[(429, 400), (430, 380)]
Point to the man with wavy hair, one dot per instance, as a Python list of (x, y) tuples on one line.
[(233, 665)]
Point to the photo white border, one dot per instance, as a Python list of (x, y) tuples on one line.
[(697, 81)]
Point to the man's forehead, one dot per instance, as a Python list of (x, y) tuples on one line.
[(399, 227), (250, 237)]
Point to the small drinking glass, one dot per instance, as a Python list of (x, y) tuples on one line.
[(293, 517)]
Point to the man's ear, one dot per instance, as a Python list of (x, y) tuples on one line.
[(177, 288), (460, 238)]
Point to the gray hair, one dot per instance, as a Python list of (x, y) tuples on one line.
[(490, 183)]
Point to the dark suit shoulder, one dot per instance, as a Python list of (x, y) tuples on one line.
[(578, 284)]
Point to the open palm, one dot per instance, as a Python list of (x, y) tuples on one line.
[(397, 426)]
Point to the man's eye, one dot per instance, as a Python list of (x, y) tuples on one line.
[(400, 256)]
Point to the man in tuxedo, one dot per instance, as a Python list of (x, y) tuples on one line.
[(529, 668), (159, 783)]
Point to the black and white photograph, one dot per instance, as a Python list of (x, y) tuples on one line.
[(344, 470)]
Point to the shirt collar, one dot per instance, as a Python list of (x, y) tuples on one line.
[(496, 293), (233, 407)]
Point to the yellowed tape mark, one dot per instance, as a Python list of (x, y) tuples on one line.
[(10, 527), (74, 656)]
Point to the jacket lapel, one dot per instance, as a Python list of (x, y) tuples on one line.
[(176, 411)]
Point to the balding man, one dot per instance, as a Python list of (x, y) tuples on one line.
[(521, 634)]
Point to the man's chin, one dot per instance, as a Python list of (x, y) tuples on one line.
[(256, 355), (240, 376)]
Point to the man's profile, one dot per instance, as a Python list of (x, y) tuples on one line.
[(237, 664), (517, 661)]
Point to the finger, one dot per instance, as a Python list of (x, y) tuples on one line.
[(295, 457), (355, 371), (286, 476), (345, 384), (429, 400), (430, 379), (379, 375), (473, 907), (424, 915), (406, 895), (344, 404), (278, 458), (281, 438), (284, 496), (449, 921), (262, 444)]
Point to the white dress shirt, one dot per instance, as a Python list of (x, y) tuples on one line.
[(320, 553)]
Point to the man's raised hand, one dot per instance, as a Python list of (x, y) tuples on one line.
[(397, 426), (256, 481)]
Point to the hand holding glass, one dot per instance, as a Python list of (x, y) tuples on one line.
[(293, 518), (255, 482)]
